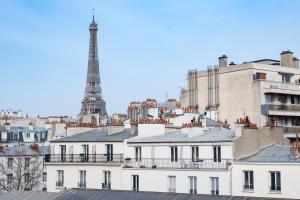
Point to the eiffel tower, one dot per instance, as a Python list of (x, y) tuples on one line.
[(93, 101)]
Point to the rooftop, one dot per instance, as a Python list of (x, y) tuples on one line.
[(272, 154), (212, 135), (99, 135), (23, 150), (94, 194)]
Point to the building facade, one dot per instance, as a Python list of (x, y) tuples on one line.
[(267, 91)]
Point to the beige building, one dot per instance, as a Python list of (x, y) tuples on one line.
[(267, 91)]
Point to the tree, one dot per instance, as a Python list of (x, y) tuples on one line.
[(20, 171)]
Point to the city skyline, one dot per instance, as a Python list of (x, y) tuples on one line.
[(43, 47)]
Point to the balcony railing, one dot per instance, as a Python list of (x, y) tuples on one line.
[(181, 163), (59, 183), (291, 129), (84, 158), (82, 184), (265, 108)]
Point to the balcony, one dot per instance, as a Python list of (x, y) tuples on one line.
[(180, 164), (83, 158), (59, 184), (280, 109), (81, 184)]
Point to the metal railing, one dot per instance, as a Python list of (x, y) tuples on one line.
[(59, 183), (280, 107), (84, 158), (82, 184), (181, 163), (291, 129), (274, 188), (248, 187)]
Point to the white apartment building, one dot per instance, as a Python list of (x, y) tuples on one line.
[(273, 172), (193, 162), (268, 91), (87, 160)]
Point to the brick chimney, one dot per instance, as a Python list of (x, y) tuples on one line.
[(223, 61), (295, 62), (287, 58)]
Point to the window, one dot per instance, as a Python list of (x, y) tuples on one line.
[(282, 99), (10, 163), (259, 76), (248, 180), (106, 180), (62, 153), (44, 176), (214, 185), (295, 121), (295, 100), (195, 154), (60, 178), (138, 154), (27, 162), (82, 179), (27, 179), (9, 179), (275, 181), (193, 184), (171, 184), (269, 98), (85, 153), (286, 78), (15, 138), (174, 154), (217, 154), (28, 135), (109, 152), (135, 182)]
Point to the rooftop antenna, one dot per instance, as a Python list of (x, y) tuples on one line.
[(93, 14)]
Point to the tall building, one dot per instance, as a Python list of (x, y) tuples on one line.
[(267, 91), (93, 100)]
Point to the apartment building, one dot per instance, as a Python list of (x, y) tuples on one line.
[(267, 91), (23, 134), (87, 160), (22, 168), (272, 172)]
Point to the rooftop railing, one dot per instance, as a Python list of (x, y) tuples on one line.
[(84, 158), (180, 163)]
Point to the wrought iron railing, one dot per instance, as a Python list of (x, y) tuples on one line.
[(59, 183), (181, 163), (84, 158)]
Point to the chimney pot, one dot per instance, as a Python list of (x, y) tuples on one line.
[(223, 61)]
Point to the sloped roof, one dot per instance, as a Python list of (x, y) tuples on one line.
[(212, 135), (26, 195), (94, 194), (273, 154), (24, 151), (99, 135)]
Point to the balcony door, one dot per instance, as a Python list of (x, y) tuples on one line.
[(109, 152), (62, 153), (85, 153)]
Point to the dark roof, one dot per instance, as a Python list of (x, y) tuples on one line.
[(211, 135), (26, 195), (272, 154), (99, 135), (94, 194), (24, 151), (2, 129)]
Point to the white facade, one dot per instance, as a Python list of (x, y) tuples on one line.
[(289, 175)]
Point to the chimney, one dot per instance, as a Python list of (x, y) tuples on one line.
[(294, 149), (295, 62), (223, 61), (287, 58)]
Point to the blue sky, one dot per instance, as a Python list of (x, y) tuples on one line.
[(145, 47)]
